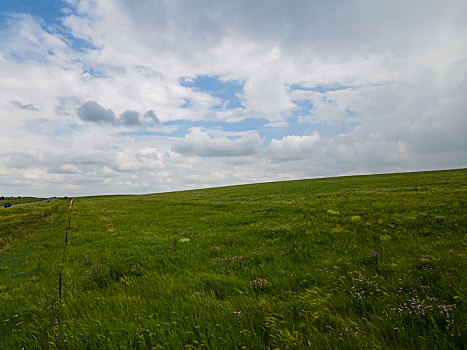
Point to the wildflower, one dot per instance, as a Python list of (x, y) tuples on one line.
[(260, 283)]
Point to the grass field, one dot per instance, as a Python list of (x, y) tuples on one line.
[(364, 262)]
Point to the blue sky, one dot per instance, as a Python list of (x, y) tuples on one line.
[(50, 11), (228, 92), (149, 96)]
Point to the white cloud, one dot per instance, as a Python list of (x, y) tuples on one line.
[(91, 111), (201, 143), (266, 94), (291, 148)]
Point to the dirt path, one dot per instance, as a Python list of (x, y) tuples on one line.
[(17, 205)]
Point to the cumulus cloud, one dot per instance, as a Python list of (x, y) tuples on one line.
[(291, 148), (200, 143), (130, 118), (151, 115), (266, 93), (91, 111)]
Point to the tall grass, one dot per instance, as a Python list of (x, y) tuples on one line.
[(354, 262)]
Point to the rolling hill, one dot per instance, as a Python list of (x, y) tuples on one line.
[(350, 262)]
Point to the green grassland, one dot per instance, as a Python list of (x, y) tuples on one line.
[(22, 200), (362, 262)]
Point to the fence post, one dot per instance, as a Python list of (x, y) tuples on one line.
[(64, 253)]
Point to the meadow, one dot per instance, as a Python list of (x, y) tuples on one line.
[(360, 262)]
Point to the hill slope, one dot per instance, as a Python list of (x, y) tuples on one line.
[(352, 262)]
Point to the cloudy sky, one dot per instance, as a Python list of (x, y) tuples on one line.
[(124, 96)]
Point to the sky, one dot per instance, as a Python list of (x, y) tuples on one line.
[(124, 96)]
